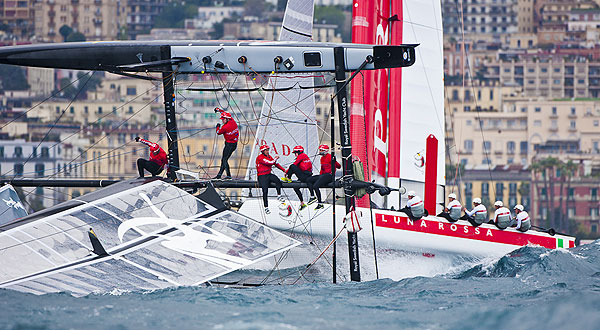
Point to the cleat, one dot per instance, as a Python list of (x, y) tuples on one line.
[(319, 206), (286, 179), (227, 178), (267, 211), (312, 200), (281, 199), (218, 177), (302, 206)]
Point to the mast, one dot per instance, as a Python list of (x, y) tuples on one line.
[(344, 122), (168, 79)]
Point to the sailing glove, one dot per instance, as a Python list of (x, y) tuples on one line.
[(137, 139)]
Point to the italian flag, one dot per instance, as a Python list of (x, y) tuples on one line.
[(563, 243)]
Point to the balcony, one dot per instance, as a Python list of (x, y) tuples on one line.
[(553, 128)]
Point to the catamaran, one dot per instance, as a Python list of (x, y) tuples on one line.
[(150, 233)]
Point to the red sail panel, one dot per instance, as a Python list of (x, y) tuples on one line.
[(379, 91), (363, 32), (395, 94)]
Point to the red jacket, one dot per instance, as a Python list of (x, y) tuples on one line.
[(264, 164), (303, 162), (230, 131), (160, 158), (326, 164)]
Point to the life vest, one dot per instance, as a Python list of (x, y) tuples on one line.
[(416, 207), (454, 208), (502, 217)]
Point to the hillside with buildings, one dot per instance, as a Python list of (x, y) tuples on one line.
[(521, 97)]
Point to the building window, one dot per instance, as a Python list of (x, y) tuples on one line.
[(491, 94), (573, 111), (99, 109), (487, 146), (571, 212), (18, 169), (34, 152), (469, 145), (86, 109), (554, 110), (131, 91), (510, 147), (594, 212), (538, 109), (594, 228), (39, 170), (18, 152), (523, 147), (499, 191), (572, 124), (537, 123), (594, 194), (1, 151), (571, 193), (485, 190), (524, 109)]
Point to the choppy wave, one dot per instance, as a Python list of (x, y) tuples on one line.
[(530, 288)]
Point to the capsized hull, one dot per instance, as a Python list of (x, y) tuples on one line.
[(393, 230)]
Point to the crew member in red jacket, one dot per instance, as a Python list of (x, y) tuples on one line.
[(302, 168), (230, 132), (315, 182), (264, 163), (157, 162)]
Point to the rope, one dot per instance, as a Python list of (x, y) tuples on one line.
[(325, 250)]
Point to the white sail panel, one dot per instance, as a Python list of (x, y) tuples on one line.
[(422, 89), (155, 236), (11, 207), (288, 117)]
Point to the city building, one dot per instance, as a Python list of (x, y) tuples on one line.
[(95, 19), (141, 14), (19, 17), (209, 16), (33, 159)]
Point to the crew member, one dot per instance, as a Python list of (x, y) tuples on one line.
[(230, 132), (452, 210), (522, 219), (477, 215), (158, 159), (414, 209), (315, 182), (264, 163), (501, 216), (302, 168)]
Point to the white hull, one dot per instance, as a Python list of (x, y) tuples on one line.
[(393, 230)]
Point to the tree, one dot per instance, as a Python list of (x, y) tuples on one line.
[(218, 31), (281, 4), (254, 8), (335, 16), (65, 31), (75, 37), (13, 78), (174, 15)]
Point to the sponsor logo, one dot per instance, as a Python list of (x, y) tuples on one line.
[(13, 204)]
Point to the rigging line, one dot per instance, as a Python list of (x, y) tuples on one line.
[(485, 151), (325, 250), (55, 123), (96, 121), (44, 100), (231, 98), (369, 177), (94, 144)]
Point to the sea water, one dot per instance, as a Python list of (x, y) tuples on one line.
[(530, 288)]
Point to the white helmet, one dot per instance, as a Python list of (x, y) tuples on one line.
[(519, 207), (411, 193), (477, 200), (499, 204), (453, 196)]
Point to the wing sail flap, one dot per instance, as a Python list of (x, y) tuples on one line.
[(151, 243)]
